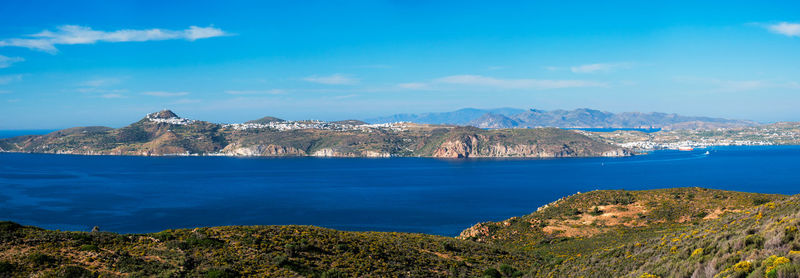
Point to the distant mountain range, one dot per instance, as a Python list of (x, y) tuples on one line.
[(578, 118)]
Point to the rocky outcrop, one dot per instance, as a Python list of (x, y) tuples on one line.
[(477, 232), (476, 146), (463, 147), (261, 150)]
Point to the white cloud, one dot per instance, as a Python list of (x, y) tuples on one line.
[(336, 79), (100, 90), (256, 92), (8, 61), (74, 34), (186, 101), (785, 28), (720, 85), (601, 67), (477, 80), (111, 96), (196, 33), (165, 94), (5, 79), (414, 86), (101, 82)]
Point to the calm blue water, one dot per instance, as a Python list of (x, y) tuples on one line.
[(148, 194)]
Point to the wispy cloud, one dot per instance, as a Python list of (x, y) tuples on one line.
[(186, 101), (8, 61), (91, 90), (74, 34), (785, 28), (477, 80), (721, 85), (335, 79), (414, 86), (165, 94), (101, 82), (5, 79), (111, 96), (2, 92), (103, 87), (600, 67), (256, 92)]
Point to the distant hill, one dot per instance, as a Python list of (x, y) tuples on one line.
[(578, 118), (265, 120), (458, 117), (165, 133)]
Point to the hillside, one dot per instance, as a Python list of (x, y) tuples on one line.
[(578, 118), (783, 133), (681, 232), (165, 133)]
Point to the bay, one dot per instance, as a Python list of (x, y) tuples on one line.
[(436, 196)]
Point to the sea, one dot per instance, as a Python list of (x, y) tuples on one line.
[(129, 194)]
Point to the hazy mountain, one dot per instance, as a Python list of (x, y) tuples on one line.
[(578, 118), (458, 117)]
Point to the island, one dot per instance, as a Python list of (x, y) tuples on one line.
[(165, 133)]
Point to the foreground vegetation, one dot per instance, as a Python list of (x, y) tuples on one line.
[(682, 232)]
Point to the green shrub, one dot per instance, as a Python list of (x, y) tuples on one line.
[(70, 271), (206, 242), (333, 273), (89, 248), (785, 271), (222, 273), (7, 267), (41, 259), (596, 211), (492, 273), (754, 240), (8, 227)]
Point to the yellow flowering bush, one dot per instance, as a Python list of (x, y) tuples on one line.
[(772, 262)]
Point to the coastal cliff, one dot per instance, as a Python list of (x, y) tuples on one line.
[(165, 133)]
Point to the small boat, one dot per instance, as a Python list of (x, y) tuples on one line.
[(685, 148), (707, 153)]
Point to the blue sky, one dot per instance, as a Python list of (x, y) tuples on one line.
[(110, 62)]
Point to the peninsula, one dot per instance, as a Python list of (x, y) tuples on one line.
[(165, 133)]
